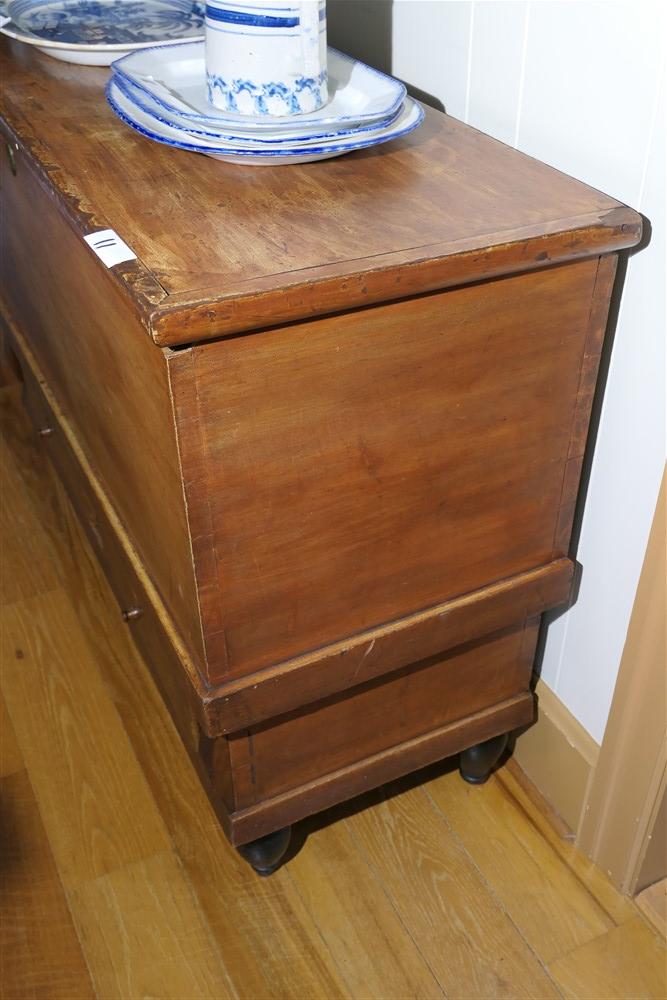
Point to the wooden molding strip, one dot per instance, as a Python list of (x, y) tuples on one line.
[(611, 796), (275, 690), (133, 277), (577, 737), (628, 782), (653, 904), (288, 807), (342, 286), (558, 756)]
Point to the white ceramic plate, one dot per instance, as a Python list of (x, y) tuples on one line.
[(176, 79), (262, 138), (409, 118), (97, 32)]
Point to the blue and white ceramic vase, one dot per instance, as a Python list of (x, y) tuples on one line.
[(266, 57)]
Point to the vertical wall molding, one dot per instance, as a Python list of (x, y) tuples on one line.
[(629, 779)]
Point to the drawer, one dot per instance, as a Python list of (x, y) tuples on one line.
[(130, 594), (103, 531), (302, 746)]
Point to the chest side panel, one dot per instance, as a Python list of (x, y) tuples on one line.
[(109, 378), (359, 468)]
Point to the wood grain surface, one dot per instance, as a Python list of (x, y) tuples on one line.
[(222, 248), (354, 779), (629, 961), (109, 378), (153, 629), (96, 833), (11, 760), (358, 469), (519, 872), (340, 477), (653, 904), (144, 934), (525, 806), (298, 747), (366, 924), (26, 538), (387, 898), (378, 466), (40, 953), (240, 702), (432, 877), (219, 710), (243, 815)]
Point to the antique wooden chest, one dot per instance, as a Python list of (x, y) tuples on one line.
[(325, 432)]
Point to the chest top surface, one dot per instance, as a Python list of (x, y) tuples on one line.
[(223, 247)]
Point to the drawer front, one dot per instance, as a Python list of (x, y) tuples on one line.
[(303, 746), (109, 378)]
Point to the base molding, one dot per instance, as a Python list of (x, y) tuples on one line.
[(558, 756), (348, 782), (244, 701)]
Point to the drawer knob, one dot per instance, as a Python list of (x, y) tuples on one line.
[(131, 614), (45, 432), (11, 157)]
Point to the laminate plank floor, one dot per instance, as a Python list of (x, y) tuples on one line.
[(40, 954), (117, 881)]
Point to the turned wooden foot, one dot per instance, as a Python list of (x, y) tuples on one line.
[(476, 762), (266, 853)]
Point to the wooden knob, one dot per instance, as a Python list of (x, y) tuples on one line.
[(131, 614)]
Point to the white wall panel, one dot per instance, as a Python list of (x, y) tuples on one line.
[(431, 42), (590, 80), (574, 83), (625, 479), (496, 63)]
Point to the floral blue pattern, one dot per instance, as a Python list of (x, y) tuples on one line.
[(409, 119), (291, 98), (109, 22)]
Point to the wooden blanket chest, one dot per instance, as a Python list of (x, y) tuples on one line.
[(325, 432)]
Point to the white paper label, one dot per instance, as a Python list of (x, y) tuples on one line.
[(109, 247)]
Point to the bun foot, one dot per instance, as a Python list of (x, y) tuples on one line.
[(476, 763), (266, 853)]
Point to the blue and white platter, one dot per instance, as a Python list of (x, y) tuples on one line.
[(303, 150), (235, 132), (175, 80), (97, 32)]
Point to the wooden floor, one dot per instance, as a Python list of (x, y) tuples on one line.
[(117, 882), (653, 904)]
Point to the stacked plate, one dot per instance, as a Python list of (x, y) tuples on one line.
[(161, 92), (95, 32)]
